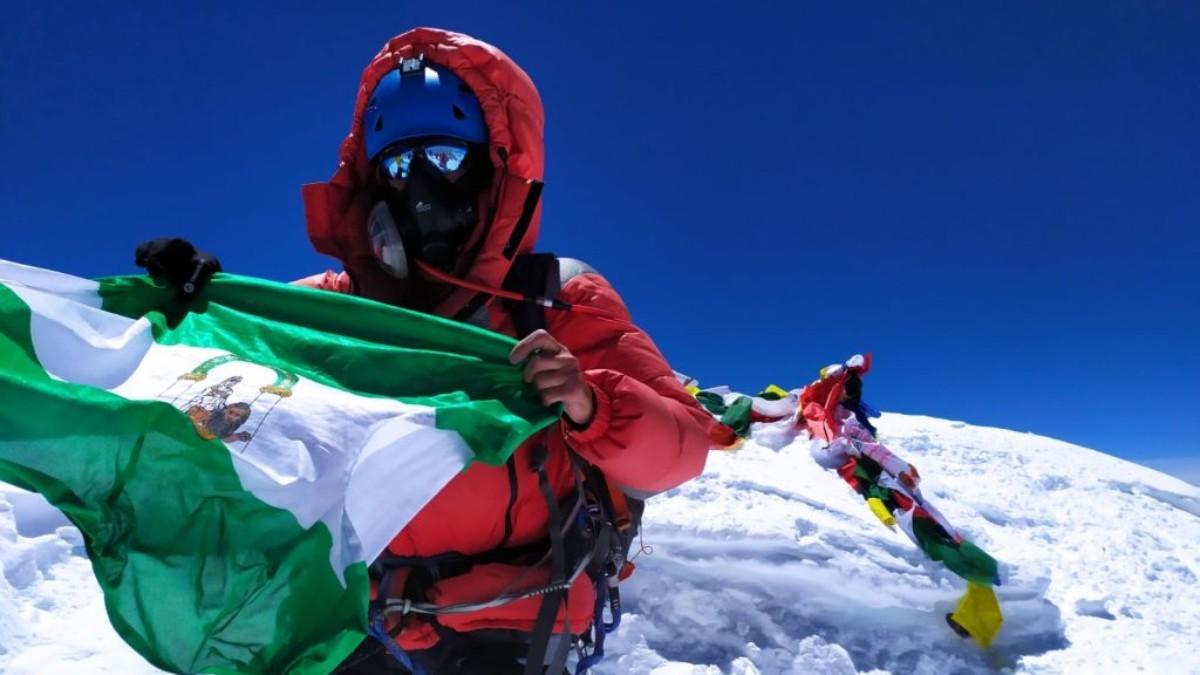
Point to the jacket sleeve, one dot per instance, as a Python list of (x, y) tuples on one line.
[(648, 434)]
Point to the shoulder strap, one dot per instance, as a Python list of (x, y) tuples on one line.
[(531, 275), (538, 275)]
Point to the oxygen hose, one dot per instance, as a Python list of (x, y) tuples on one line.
[(548, 303)]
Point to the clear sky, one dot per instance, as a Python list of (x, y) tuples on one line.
[(1000, 200)]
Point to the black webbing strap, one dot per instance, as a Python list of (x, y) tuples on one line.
[(511, 465), (543, 626), (558, 662), (533, 275), (532, 196), (478, 300)]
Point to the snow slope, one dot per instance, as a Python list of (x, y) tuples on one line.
[(52, 618), (768, 564)]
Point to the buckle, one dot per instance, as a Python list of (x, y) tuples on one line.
[(412, 65)]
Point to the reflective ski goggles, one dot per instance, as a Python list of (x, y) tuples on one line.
[(447, 157)]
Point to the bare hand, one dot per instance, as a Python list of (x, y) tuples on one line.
[(555, 373)]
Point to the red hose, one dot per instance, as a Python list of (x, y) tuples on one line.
[(433, 272)]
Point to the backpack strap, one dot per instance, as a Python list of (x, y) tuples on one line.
[(538, 275), (543, 626)]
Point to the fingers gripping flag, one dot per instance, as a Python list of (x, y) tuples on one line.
[(234, 473)]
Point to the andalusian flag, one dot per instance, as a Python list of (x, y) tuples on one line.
[(234, 474)]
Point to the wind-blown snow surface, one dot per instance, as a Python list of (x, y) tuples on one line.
[(768, 564)]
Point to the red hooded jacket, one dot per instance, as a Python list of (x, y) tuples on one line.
[(648, 434)]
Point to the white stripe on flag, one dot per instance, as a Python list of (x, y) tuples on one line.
[(73, 339)]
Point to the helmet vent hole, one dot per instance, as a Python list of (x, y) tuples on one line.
[(459, 114)]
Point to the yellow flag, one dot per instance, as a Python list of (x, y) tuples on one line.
[(978, 613), (774, 389), (881, 511)]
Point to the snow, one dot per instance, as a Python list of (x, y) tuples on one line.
[(769, 564), (52, 617)]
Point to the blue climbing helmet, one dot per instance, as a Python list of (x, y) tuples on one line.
[(421, 99)]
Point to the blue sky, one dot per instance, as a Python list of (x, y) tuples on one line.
[(1001, 202)]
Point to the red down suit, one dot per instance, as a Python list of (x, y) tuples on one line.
[(647, 435)]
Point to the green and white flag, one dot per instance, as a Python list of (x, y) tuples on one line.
[(234, 474)]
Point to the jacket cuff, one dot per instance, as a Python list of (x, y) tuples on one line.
[(599, 424)]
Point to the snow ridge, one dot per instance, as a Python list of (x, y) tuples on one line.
[(768, 564)]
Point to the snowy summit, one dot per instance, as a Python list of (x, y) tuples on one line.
[(769, 564)]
